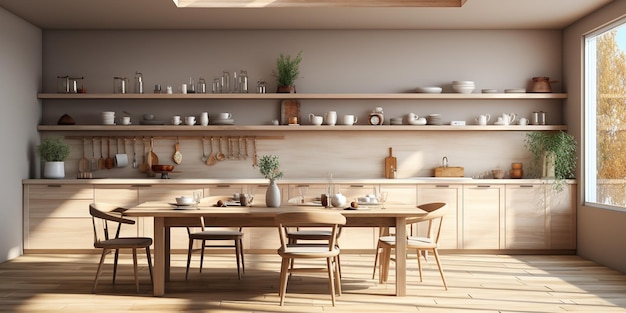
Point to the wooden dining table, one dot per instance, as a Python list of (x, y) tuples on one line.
[(167, 216)]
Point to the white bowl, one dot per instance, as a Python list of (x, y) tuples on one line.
[(184, 200), (463, 83), (463, 89), (428, 89)]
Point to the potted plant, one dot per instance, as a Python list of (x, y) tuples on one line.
[(554, 154), (287, 71), (54, 151), (269, 166)]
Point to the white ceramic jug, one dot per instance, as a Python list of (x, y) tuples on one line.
[(483, 119), (508, 118)]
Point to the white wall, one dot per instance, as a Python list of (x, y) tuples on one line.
[(333, 62), (601, 232), (20, 79)]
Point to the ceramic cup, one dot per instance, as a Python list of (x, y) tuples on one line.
[(190, 120), (316, 119), (120, 160), (349, 119), (523, 121), (331, 118), (223, 116), (483, 119), (176, 120), (126, 120), (183, 88)]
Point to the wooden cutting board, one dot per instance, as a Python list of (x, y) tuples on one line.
[(391, 165)]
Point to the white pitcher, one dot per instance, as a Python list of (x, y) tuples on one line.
[(483, 119), (331, 118), (509, 118)]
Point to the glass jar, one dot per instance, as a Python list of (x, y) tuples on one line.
[(120, 84)]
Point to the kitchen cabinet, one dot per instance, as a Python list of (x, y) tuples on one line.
[(124, 196), (56, 217), (452, 195), (561, 217), (483, 216), (525, 217)]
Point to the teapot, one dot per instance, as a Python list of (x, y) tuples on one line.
[(338, 200), (508, 118)]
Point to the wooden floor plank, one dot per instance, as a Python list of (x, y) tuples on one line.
[(477, 283)]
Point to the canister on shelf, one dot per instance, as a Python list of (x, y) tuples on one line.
[(516, 170), (120, 84), (63, 84), (138, 83)]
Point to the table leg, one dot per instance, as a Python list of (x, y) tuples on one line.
[(167, 247), (159, 256), (401, 256)]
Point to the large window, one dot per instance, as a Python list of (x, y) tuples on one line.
[(605, 116)]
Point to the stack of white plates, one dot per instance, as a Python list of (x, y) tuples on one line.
[(515, 90), (428, 89), (463, 86), (434, 119), (219, 121), (108, 118)]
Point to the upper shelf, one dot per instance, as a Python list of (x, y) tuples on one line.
[(284, 128), (311, 96)]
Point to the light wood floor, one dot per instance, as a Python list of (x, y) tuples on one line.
[(477, 283)]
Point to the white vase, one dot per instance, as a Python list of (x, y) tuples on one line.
[(272, 195), (54, 170)]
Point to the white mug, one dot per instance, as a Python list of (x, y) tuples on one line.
[(176, 120), (126, 120), (483, 119), (316, 119), (183, 88), (191, 120), (349, 119), (223, 116), (331, 118), (121, 160), (523, 121)]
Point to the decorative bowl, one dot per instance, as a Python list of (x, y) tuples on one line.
[(162, 168), (428, 89)]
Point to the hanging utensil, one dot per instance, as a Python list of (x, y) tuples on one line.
[(101, 160), (134, 153), (109, 161), (83, 164), (212, 160), (152, 158), (255, 160), (220, 156), (239, 140), (245, 147), (143, 167), (178, 157), (94, 160), (230, 149), (204, 157)]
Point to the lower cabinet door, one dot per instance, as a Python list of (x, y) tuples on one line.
[(451, 195), (483, 216), (525, 216)]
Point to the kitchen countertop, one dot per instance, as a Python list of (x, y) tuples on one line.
[(261, 181)]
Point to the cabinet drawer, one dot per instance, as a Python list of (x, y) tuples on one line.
[(60, 233), (61, 192), (58, 208), (165, 193)]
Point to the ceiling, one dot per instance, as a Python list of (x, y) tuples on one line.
[(163, 14)]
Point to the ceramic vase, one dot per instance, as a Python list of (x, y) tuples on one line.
[(272, 195), (54, 170)]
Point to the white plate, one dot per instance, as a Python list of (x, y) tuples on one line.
[(222, 122), (182, 205), (428, 89), (514, 90)]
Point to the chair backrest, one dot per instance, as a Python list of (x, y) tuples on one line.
[(434, 217), (103, 221), (211, 200), (309, 218)]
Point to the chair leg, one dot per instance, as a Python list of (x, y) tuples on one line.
[(284, 269), (331, 278), (339, 265), (117, 254), (135, 269), (385, 260), (202, 255), (376, 259), (436, 254), (188, 258), (149, 257), (243, 263), (95, 281), (237, 256), (338, 276), (419, 264)]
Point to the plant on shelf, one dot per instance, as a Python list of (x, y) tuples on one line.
[(554, 154), (269, 166), (54, 151), (287, 71)]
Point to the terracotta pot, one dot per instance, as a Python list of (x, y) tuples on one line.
[(286, 89)]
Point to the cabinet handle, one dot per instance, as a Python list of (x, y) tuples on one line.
[(526, 186), (356, 186), (140, 186), (442, 186), (483, 186), (302, 185), (222, 186), (54, 186)]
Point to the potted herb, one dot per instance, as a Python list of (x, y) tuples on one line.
[(269, 166), (287, 71), (54, 151), (554, 154)]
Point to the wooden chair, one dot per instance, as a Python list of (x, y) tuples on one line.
[(103, 219), (329, 251), (434, 218), (214, 234)]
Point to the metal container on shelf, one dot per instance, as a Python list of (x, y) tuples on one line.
[(120, 84)]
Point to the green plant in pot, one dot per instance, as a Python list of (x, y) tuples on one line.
[(269, 166), (54, 151), (287, 71), (554, 154)]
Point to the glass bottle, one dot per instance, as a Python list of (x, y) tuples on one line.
[(243, 81), (201, 86), (138, 86)]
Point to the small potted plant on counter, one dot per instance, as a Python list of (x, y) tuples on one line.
[(269, 166), (554, 154), (287, 71), (54, 151)]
